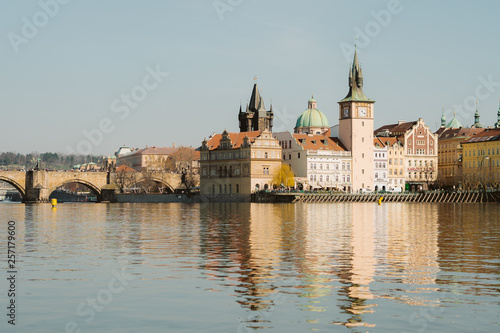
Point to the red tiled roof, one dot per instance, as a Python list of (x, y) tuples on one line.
[(460, 132), (385, 140), (396, 128), (485, 136), (236, 139), (318, 142)]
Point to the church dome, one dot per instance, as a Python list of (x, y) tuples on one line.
[(312, 118)]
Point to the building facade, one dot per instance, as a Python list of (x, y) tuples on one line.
[(380, 165), (318, 162), (419, 157), (481, 160), (238, 163), (450, 154)]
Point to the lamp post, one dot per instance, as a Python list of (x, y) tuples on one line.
[(482, 171), (453, 174)]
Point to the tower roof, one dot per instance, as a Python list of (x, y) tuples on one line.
[(256, 102), (454, 123), (312, 117), (477, 124), (356, 83)]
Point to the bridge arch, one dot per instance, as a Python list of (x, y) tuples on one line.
[(17, 186), (92, 187), (163, 182)]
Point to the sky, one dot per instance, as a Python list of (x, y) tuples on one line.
[(87, 76)]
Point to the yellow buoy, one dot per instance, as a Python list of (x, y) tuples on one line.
[(380, 200), (54, 202)]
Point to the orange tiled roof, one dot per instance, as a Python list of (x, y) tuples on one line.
[(236, 139), (385, 140), (318, 142)]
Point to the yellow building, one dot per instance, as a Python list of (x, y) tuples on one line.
[(239, 163), (481, 160), (450, 154)]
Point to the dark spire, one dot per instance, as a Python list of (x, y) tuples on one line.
[(256, 102), (356, 82)]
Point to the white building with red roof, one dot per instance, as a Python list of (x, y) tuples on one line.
[(318, 161)]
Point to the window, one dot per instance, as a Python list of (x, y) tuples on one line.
[(298, 155), (390, 161), (204, 171), (328, 177), (284, 157), (225, 188), (230, 188), (289, 156), (237, 188), (265, 154), (266, 170), (220, 188), (321, 178), (213, 188)]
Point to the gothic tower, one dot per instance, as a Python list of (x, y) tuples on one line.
[(256, 117), (356, 128)]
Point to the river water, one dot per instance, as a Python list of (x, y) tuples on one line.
[(229, 267)]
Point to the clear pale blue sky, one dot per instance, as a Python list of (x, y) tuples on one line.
[(64, 79)]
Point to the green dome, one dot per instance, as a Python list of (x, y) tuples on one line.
[(312, 118)]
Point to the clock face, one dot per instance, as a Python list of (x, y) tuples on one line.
[(346, 112), (362, 112)]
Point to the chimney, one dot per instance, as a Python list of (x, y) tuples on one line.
[(401, 122)]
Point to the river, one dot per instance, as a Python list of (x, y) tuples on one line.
[(240, 267)]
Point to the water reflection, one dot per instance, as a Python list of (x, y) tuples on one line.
[(287, 266)]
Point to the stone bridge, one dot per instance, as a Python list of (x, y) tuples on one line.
[(37, 185)]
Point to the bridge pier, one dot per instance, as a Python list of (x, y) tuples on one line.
[(35, 189)]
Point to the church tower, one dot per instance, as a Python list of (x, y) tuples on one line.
[(256, 117), (356, 128)]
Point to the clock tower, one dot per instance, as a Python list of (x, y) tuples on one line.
[(356, 128)]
